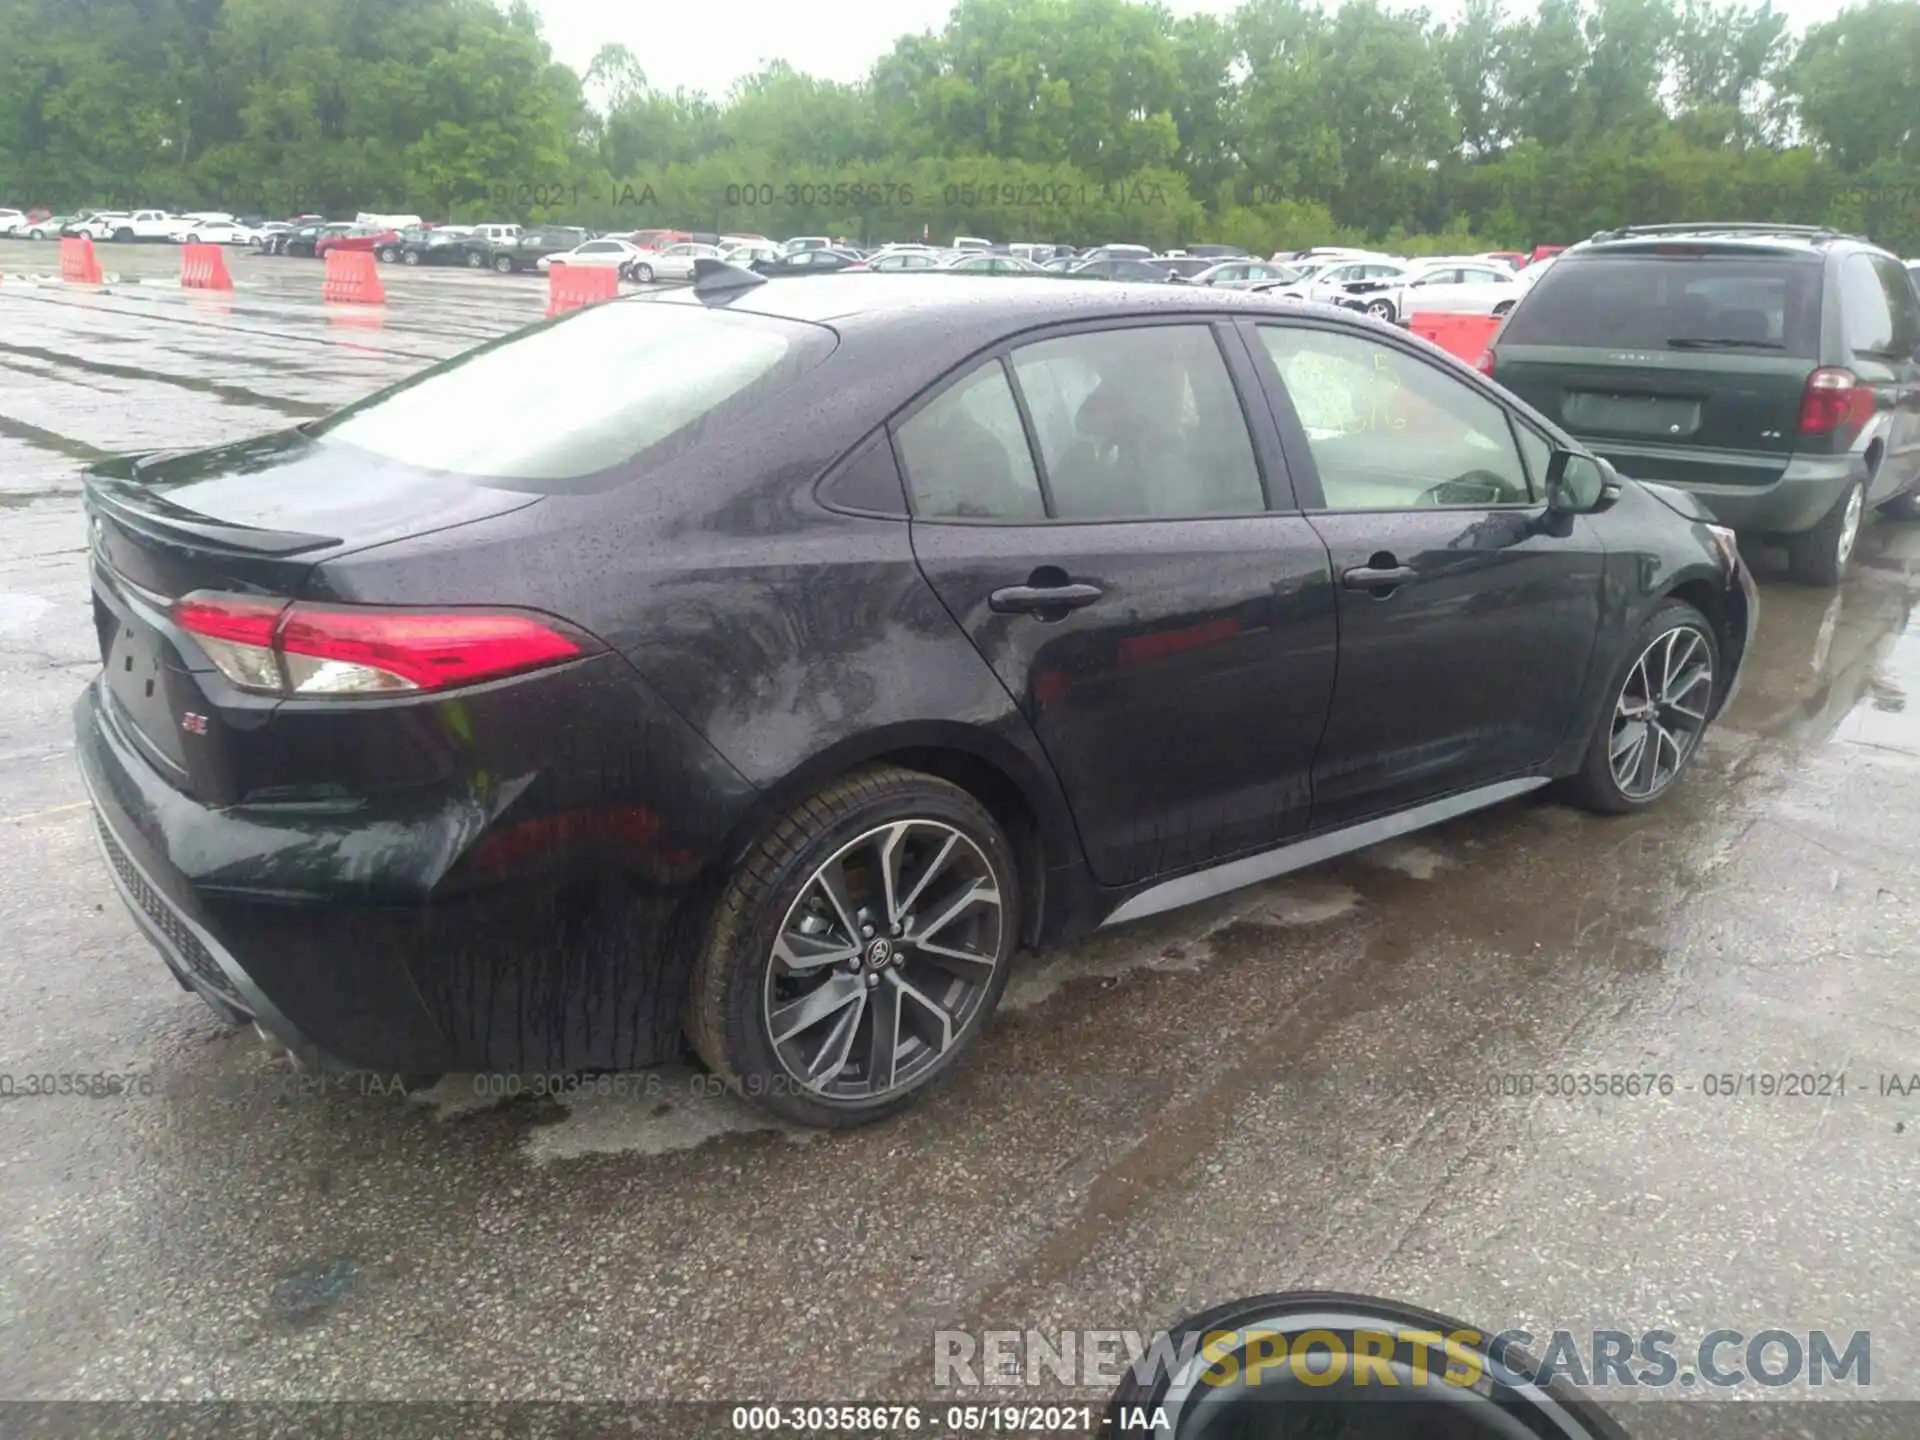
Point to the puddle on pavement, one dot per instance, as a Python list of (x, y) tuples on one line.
[(653, 1112)]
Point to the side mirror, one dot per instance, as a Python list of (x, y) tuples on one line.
[(1580, 484)]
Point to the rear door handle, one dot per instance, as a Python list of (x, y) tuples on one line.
[(1370, 577), (1030, 599)]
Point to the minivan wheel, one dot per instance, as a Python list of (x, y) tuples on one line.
[(858, 949), (1820, 555), (1663, 696)]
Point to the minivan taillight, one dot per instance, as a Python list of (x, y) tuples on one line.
[(277, 647), (1835, 403)]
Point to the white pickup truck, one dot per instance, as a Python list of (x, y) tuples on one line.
[(137, 225)]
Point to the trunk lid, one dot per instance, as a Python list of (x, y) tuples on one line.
[(1674, 362), (256, 518)]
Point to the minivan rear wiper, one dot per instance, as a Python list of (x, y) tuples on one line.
[(1718, 342)]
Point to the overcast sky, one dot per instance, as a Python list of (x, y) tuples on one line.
[(678, 43)]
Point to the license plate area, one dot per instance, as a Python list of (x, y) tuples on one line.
[(1661, 417), (144, 684)]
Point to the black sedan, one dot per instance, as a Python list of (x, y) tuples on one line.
[(825, 261), (301, 240), (1109, 267), (444, 245), (507, 721)]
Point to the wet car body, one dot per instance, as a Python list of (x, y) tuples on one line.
[(511, 875)]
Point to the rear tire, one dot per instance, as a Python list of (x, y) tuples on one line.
[(643, 273), (476, 261), (1503, 309), (1381, 310), (1658, 707), (1820, 556), (504, 264), (386, 254), (815, 890), (410, 257)]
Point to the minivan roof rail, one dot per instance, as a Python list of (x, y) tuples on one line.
[(1724, 227)]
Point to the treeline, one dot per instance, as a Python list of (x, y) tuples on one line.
[(1077, 120)]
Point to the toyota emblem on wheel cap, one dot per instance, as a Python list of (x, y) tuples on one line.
[(879, 953)]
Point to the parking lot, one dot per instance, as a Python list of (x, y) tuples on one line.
[(1314, 1083)]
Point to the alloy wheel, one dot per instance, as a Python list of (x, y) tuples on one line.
[(883, 961), (1661, 712)]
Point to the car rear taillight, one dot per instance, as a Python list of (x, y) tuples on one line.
[(1485, 363), (1835, 403), (277, 647)]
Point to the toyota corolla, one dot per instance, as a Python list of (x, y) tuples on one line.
[(765, 664)]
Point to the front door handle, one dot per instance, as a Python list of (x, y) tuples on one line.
[(1377, 578), (1043, 599)]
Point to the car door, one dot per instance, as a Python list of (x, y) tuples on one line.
[(1893, 340), (1468, 617), (1484, 288), (1433, 291), (1097, 512)]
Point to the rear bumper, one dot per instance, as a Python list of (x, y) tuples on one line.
[(302, 924), (1797, 501)]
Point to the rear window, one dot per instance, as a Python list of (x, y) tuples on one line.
[(1762, 303), (551, 408)]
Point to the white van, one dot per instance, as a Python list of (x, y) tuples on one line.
[(971, 242)]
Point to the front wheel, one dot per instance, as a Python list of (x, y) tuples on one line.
[(1820, 555), (643, 273), (386, 254), (476, 261), (410, 257), (1663, 697), (858, 949), (504, 264), (1903, 507), (1380, 309)]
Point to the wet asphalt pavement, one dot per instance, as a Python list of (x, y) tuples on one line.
[(1293, 1087)]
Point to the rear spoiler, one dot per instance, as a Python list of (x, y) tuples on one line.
[(113, 489)]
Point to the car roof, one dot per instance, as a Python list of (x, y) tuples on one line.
[(1730, 235), (983, 307)]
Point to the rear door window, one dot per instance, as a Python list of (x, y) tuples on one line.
[(1139, 423), (1675, 303), (1865, 309), (966, 453), (1903, 305)]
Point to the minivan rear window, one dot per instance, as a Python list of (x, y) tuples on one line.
[(1759, 304), (553, 407)]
